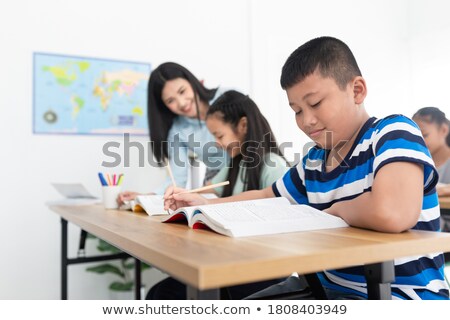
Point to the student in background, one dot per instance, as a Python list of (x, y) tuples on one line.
[(177, 106), (255, 163), (239, 128), (373, 173), (435, 130)]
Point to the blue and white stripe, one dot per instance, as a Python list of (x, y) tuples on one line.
[(392, 139)]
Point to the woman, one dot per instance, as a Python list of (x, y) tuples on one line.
[(240, 128), (177, 106)]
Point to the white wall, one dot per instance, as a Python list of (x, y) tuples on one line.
[(430, 48), (235, 43), (198, 34), (376, 35)]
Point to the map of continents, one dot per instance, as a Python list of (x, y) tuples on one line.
[(77, 95)]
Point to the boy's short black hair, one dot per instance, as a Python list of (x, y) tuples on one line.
[(330, 56)]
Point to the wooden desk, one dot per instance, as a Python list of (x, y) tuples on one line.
[(207, 261), (444, 202)]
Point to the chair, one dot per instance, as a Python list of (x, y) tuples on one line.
[(309, 288)]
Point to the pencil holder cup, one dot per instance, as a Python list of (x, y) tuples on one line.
[(110, 194)]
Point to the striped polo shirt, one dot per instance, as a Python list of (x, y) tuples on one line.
[(380, 141)]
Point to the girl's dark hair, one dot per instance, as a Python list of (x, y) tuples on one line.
[(230, 108), (160, 118), (433, 115)]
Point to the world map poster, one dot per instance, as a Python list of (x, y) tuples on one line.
[(79, 95)]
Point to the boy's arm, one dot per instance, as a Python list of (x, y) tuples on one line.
[(393, 205), (174, 200)]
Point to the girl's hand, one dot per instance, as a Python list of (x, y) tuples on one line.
[(171, 190), (175, 198), (169, 201)]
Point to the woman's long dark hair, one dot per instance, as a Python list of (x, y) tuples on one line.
[(160, 118), (230, 108), (433, 115)]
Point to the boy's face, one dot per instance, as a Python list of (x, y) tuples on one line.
[(324, 112)]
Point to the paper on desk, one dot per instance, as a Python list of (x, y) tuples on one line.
[(73, 190), (75, 195)]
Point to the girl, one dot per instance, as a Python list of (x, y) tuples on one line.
[(435, 130), (256, 162), (177, 106), (240, 129)]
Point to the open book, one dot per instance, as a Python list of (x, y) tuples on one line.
[(150, 204), (256, 217), (153, 204)]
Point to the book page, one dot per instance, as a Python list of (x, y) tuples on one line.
[(267, 219), (127, 205), (152, 204), (182, 214), (185, 213), (239, 211)]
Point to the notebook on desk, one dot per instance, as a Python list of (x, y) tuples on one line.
[(152, 204), (74, 194)]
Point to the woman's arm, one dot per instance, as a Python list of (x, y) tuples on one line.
[(179, 161)]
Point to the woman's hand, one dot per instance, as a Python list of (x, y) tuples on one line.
[(126, 196)]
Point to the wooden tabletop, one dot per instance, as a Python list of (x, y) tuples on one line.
[(207, 260), (444, 202)]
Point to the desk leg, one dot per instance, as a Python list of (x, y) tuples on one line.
[(137, 279), (64, 262), (195, 294), (379, 277)]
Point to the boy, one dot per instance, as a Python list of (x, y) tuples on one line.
[(374, 173)]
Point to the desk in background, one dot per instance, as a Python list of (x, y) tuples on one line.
[(206, 261), (444, 203)]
